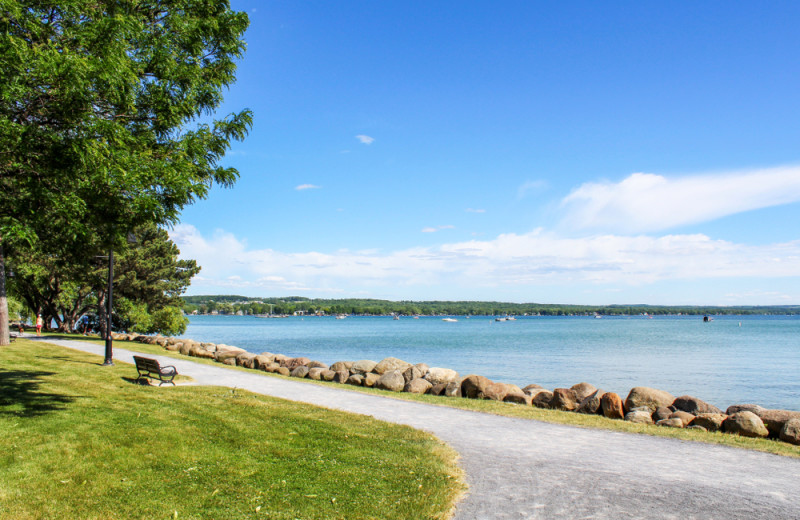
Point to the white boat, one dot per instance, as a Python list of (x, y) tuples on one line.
[(341, 316), (449, 319)]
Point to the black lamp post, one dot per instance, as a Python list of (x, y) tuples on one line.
[(109, 342)]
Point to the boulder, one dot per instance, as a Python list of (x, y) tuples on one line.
[(453, 389), (262, 360), (437, 389), (694, 405), (564, 399), (611, 406), (316, 373), (712, 422), (362, 367), (437, 375), (341, 365), (341, 376), (200, 352), (417, 386), (175, 348), (661, 413), (293, 363), (674, 422), (542, 399), (582, 391), (533, 392), (640, 416), (775, 419), (791, 432), (222, 348), (591, 403), (496, 391), (282, 371), (185, 348), (229, 361), (355, 380), (530, 388), (473, 386), (392, 380), (300, 371), (518, 398), (370, 379), (317, 364), (685, 417), (756, 409), (390, 364), (161, 342), (245, 359), (746, 424), (223, 355), (423, 369), (649, 397), (281, 359), (328, 375), (412, 373)]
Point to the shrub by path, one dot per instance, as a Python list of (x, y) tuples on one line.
[(519, 468)]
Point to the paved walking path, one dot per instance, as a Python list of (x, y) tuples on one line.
[(519, 468)]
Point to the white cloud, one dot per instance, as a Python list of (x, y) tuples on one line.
[(429, 230), (522, 262), (365, 139), (645, 202), (307, 187), (470, 210)]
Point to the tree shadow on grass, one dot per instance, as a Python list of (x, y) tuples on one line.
[(19, 395)]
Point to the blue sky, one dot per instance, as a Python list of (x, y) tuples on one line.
[(561, 152)]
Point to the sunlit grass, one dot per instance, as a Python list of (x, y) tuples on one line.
[(84, 441)]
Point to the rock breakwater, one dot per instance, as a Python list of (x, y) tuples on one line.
[(642, 404)]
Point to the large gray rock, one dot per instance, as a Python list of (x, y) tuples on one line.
[(712, 422), (650, 397), (746, 424), (317, 364), (518, 398), (583, 390), (775, 419), (328, 375), (542, 399), (341, 365), (640, 416), (390, 364), (694, 405), (473, 386), (564, 399), (370, 379), (673, 422), (413, 372), (497, 391), (299, 371), (437, 389), (661, 413), (453, 389), (756, 409), (246, 359), (438, 375), (341, 376), (362, 367), (591, 403), (791, 432), (263, 360), (316, 373), (417, 386), (355, 380), (293, 363), (392, 380), (685, 417)]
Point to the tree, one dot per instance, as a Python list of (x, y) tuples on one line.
[(100, 109), (148, 280)]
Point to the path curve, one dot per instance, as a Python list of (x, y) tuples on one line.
[(519, 468)]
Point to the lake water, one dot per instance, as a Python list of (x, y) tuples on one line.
[(730, 360)]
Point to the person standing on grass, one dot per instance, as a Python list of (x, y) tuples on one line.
[(39, 323)]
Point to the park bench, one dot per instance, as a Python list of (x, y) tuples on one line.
[(150, 368)]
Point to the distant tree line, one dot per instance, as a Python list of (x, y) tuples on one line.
[(231, 304)]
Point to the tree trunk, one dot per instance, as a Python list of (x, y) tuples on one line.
[(5, 338)]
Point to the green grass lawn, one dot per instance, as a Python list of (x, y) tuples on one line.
[(84, 441)]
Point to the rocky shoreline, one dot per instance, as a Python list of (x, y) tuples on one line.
[(642, 404)]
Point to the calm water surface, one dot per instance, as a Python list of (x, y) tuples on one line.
[(731, 360)]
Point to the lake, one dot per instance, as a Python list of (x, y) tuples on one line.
[(730, 360)]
